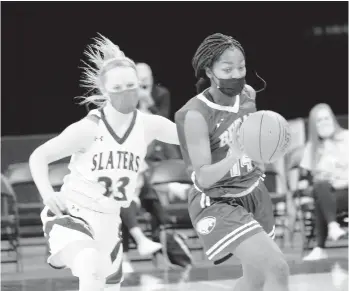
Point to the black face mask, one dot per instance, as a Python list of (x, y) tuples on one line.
[(231, 87)]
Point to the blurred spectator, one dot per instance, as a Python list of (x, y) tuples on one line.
[(325, 161), (154, 98), (130, 226)]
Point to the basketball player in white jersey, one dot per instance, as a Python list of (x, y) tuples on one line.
[(108, 147)]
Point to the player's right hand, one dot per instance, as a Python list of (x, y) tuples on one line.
[(55, 201)]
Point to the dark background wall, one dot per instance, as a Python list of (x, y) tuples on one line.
[(287, 43)]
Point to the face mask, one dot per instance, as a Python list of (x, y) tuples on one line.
[(231, 87), (125, 102), (324, 124), (326, 130)]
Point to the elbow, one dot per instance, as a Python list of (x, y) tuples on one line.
[(202, 182), (33, 157), (37, 157), (204, 185)]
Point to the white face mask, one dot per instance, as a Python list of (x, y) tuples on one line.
[(324, 124), (121, 85)]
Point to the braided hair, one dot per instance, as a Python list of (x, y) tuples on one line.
[(207, 53)]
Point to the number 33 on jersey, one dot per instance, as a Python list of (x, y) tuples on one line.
[(117, 190), (108, 170)]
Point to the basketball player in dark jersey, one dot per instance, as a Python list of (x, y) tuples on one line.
[(230, 206)]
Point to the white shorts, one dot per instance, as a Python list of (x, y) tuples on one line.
[(83, 228)]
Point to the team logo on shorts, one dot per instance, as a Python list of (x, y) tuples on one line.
[(206, 225)]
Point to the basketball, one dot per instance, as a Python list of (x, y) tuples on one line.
[(265, 136)]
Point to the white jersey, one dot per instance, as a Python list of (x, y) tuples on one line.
[(103, 177)]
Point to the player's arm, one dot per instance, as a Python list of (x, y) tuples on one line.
[(162, 129), (197, 139), (76, 137)]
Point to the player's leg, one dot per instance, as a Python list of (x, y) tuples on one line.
[(227, 227), (222, 226), (88, 265), (252, 280), (72, 245), (115, 273), (262, 252), (276, 273), (108, 236)]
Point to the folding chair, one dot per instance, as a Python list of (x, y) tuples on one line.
[(174, 171), (164, 173), (304, 201), (276, 185), (10, 224), (29, 200)]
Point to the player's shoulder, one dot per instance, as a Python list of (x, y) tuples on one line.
[(195, 104), (149, 120), (144, 117), (90, 122), (81, 132), (94, 115)]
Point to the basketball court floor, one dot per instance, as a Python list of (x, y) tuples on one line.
[(325, 275)]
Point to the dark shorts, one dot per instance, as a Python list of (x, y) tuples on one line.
[(223, 223)]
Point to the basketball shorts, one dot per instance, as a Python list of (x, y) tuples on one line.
[(223, 223), (80, 228)]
